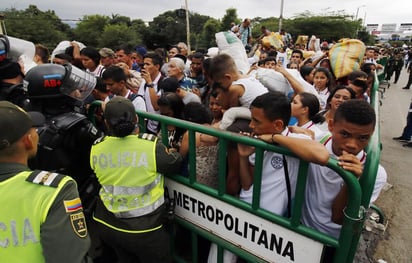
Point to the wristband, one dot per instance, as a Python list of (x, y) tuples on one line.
[(273, 135), (151, 85)]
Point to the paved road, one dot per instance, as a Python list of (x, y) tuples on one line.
[(396, 202)]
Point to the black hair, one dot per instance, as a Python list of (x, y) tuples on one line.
[(361, 84), (306, 70), (298, 51), (367, 68), (206, 65), (198, 55), (269, 59), (174, 102), (127, 49), (272, 53), (328, 75), (197, 112), (174, 46), (357, 74), (100, 85), (356, 111), (115, 73), (92, 53), (64, 56), (155, 57), (275, 105), (339, 87), (170, 84), (69, 51), (312, 102)]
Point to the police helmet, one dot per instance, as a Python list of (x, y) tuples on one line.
[(4, 47), (48, 81)]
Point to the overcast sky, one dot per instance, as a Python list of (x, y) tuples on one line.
[(375, 11)]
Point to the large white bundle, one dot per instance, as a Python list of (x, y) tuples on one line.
[(272, 80), (61, 47), (229, 43), (275, 81)]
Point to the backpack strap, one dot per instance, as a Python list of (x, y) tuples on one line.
[(288, 187), (133, 96)]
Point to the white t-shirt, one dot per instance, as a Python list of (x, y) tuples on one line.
[(253, 88), (323, 185), (98, 72), (323, 98), (273, 193), (319, 134), (144, 91), (138, 102)]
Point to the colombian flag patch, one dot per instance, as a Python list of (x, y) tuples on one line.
[(72, 205)]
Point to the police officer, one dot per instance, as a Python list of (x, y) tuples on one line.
[(11, 76), (42, 217), (58, 91), (129, 167)]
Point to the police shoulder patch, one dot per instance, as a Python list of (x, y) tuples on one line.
[(99, 140), (45, 178), (78, 222), (148, 136)]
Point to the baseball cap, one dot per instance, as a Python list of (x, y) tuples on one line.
[(15, 122), (119, 109), (106, 52), (141, 50)]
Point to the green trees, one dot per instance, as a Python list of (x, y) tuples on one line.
[(89, 30), (229, 17), (329, 27), (36, 26), (207, 38), (167, 28)]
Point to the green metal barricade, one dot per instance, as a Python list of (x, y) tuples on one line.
[(255, 234)]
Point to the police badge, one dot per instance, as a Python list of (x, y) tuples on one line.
[(79, 224)]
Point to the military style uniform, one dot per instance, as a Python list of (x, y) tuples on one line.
[(41, 215), (131, 208)]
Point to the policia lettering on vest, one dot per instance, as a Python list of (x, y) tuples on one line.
[(129, 166), (120, 159), (35, 203)]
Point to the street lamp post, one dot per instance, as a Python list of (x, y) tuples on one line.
[(281, 16), (356, 19), (187, 28), (357, 11)]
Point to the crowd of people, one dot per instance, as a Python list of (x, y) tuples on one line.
[(118, 166)]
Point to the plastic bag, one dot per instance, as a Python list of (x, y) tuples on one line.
[(230, 44), (346, 56)]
